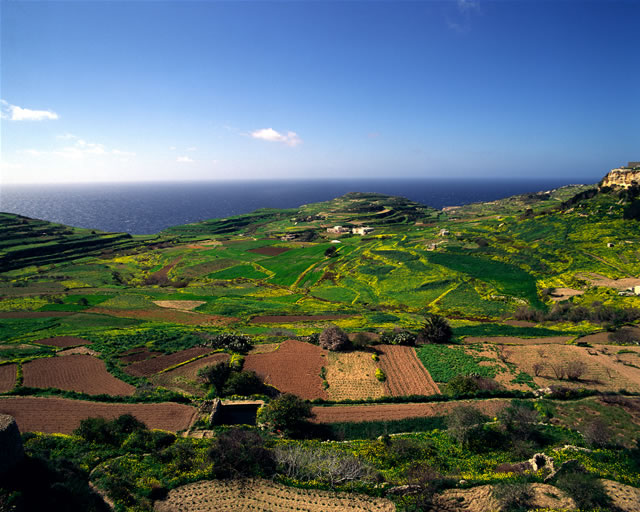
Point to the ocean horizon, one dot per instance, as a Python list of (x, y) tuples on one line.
[(149, 207)]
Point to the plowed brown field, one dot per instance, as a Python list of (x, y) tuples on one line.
[(142, 355), (293, 368), (262, 496), (60, 415), (78, 372), (152, 366), (270, 251), (166, 315), (385, 412), (404, 371), (7, 377), (185, 377), (63, 341)]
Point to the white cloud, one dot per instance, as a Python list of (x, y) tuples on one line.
[(172, 148), (15, 113), (468, 5), (269, 134), (192, 149), (119, 152), (184, 160)]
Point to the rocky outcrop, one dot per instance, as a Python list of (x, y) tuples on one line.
[(623, 177), (11, 449)]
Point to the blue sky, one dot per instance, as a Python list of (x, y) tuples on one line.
[(135, 91)]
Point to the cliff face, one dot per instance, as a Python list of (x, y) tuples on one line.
[(622, 178)]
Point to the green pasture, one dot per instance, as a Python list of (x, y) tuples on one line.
[(444, 362)]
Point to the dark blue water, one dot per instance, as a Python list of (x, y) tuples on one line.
[(145, 208)]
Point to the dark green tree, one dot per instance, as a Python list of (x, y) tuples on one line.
[(287, 414), (436, 329)]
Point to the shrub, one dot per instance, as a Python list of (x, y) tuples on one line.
[(520, 419), (465, 384), (333, 338), (576, 369), (233, 342), (597, 433), (215, 375), (465, 423), (287, 413), (586, 490), (623, 337), (243, 383), (399, 337), (513, 496), (240, 453), (114, 432), (436, 329), (380, 375)]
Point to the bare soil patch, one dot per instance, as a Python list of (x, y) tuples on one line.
[(154, 365), (293, 368), (77, 372), (605, 369), (77, 350), (7, 377), (264, 496), (560, 294), (405, 373), (270, 250), (385, 412), (61, 415), (63, 341), (624, 497), (352, 375), (264, 348), (480, 499), (141, 355), (185, 378), (181, 305), (618, 284), (166, 315), (290, 319)]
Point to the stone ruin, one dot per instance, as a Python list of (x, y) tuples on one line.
[(11, 449)]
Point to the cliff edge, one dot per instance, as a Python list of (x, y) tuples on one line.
[(623, 177)]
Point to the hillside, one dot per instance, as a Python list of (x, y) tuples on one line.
[(537, 290)]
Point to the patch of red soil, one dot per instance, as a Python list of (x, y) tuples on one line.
[(76, 372), (386, 412), (63, 341), (166, 315), (190, 370), (60, 415), (405, 373), (269, 250), (293, 368), (290, 319), (142, 355), (7, 377), (152, 366)]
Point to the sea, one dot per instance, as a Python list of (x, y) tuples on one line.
[(147, 208)]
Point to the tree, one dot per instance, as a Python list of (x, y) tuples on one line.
[(436, 329), (333, 338), (243, 383), (520, 419), (240, 453), (465, 423), (215, 375), (287, 413)]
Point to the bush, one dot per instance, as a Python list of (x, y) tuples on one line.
[(380, 375), (233, 342), (287, 413), (466, 384), (114, 432), (436, 329), (398, 337), (520, 419), (333, 338), (576, 369), (597, 433), (240, 453), (243, 383), (465, 423), (513, 496), (586, 490), (215, 375)]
